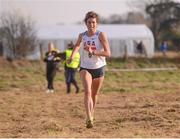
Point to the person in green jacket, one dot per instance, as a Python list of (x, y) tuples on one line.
[(70, 69)]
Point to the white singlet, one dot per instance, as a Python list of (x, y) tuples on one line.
[(93, 62)]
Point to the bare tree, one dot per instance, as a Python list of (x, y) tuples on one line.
[(18, 33), (112, 19), (135, 18), (164, 15)]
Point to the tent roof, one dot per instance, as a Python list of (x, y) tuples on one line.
[(113, 31)]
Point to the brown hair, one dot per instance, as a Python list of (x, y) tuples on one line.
[(91, 14)]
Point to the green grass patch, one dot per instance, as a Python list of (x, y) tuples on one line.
[(24, 75)]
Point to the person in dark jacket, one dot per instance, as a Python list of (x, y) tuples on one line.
[(52, 65)]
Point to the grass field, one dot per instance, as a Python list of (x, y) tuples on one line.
[(131, 104)]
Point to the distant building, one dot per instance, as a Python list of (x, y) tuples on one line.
[(122, 38)]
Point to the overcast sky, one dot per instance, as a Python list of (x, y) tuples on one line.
[(64, 11)]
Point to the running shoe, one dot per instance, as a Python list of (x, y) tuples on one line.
[(89, 123), (51, 91), (48, 91)]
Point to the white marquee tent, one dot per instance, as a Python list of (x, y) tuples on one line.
[(122, 38)]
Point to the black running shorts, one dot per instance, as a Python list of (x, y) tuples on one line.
[(95, 73)]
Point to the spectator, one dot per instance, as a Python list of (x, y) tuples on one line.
[(70, 69), (163, 48), (140, 47), (52, 65)]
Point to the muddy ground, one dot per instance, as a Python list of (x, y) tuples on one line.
[(34, 113)]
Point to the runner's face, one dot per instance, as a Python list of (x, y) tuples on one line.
[(91, 24)]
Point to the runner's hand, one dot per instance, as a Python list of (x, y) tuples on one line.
[(69, 61)]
